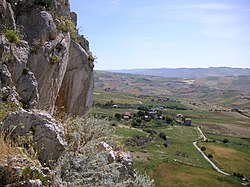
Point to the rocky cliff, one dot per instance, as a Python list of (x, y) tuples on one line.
[(43, 59), (46, 66)]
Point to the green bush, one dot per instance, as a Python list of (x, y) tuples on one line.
[(225, 140), (168, 120), (67, 25), (210, 155), (163, 136), (54, 59), (118, 116), (45, 3), (25, 71), (12, 35), (84, 165), (203, 148), (165, 144)]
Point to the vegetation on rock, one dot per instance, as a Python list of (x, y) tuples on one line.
[(66, 25), (54, 59), (12, 35)]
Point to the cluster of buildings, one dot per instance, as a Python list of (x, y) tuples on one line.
[(179, 118), (152, 114)]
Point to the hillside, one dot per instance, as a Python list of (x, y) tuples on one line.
[(163, 146), (188, 72), (223, 92)]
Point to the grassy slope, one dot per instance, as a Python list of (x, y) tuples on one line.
[(167, 168), (232, 156), (191, 170), (176, 175)]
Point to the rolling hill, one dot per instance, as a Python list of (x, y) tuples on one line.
[(188, 72), (225, 92)]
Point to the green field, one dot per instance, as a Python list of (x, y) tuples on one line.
[(169, 169), (176, 175), (179, 163), (233, 156)]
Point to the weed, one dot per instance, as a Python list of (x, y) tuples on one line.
[(25, 71), (8, 147), (46, 3), (6, 106), (54, 59), (12, 35), (67, 25)]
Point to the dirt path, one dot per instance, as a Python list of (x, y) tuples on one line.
[(202, 135), (205, 156)]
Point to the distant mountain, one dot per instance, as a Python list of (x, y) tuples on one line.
[(188, 72)]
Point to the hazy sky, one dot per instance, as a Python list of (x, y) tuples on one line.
[(127, 34)]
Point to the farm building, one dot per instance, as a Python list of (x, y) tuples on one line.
[(187, 122)]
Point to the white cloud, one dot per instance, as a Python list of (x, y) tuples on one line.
[(114, 1), (209, 6)]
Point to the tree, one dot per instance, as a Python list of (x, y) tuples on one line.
[(165, 144), (203, 148), (138, 121), (225, 140), (135, 123), (118, 116), (168, 120), (163, 136), (140, 113), (210, 155)]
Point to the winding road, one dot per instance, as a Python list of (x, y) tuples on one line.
[(205, 156)]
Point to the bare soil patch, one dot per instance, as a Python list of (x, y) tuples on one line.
[(224, 129)]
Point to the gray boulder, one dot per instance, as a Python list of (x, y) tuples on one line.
[(48, 136)]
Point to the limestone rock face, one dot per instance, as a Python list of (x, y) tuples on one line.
[(6, 15), (37, 24), (15, 73), (47, 132), (49, 74), (27, 89), (75, 96), (5, 76), (51, 66)]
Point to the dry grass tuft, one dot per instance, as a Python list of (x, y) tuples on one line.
[(9, 148)]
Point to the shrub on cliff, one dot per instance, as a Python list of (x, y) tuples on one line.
[(66, 25), (86, 165), (12, 35)]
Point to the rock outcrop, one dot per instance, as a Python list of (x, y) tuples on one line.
[(6, 15), (127, 169), (44, 58), (21, 171), (76, 91), (47, 133)]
